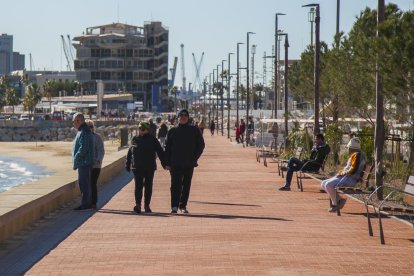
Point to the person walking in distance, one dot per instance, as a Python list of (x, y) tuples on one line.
[(185, 144), (162, 133), (212, 127), (82, 159), (141, 159), (242, 127), (99, 153)]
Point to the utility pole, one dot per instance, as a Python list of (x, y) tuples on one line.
[(217, 100), (221, 98)]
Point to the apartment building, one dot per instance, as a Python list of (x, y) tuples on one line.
[(9, 60), (126, 58)]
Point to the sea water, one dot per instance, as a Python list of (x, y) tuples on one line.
[(16, 171)]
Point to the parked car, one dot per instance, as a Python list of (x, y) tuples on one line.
[(24, 117), (57, 115), (13, 117), (2, 118), (38, 117)]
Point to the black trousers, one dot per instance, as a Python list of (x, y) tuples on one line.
[(143, 179), (180, 186), (94, 181)]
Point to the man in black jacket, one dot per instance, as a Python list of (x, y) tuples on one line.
[(314, 163), (184, 146), (141, 158)]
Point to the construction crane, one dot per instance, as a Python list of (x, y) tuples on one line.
[(183, 68), (67, 54), (31, 62), (70, 47), (197, 66)]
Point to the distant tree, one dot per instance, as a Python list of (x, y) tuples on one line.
[(32, 97), (12, 98)]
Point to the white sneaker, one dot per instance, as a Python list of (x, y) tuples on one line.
[(184, 210)]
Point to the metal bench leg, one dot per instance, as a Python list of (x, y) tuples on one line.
[(380, 228), (301, 183), (297, 179), (264, 160), (338, 211), (369, 222)]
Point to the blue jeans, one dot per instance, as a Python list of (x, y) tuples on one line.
[(294, 165), (84, 181)]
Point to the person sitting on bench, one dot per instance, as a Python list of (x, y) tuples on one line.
[(348, 176), (318, 154)]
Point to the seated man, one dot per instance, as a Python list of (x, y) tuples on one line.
[(319, 152), (348, 176)]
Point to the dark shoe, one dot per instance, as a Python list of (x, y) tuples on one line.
[(284, 169), (174, 210), (147, 209), (332, 209), (137, 209), (184, 210), (284, 188), (94, 206), (81, 208)]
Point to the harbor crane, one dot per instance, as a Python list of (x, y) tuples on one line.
[(197, 82), (67, 53)]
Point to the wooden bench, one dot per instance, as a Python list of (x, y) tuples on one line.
[(303, 173), (361, 187), (390, 205), (282, 163)]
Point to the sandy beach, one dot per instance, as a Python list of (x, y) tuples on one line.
[(55, 156)]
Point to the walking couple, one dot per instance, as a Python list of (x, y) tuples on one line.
[(184, 146)]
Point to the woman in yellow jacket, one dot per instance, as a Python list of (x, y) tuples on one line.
[(348, 176)]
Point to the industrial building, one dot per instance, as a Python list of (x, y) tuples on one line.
[(126, 58)]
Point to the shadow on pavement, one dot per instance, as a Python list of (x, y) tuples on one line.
[(220, 216), (21, 252), (222, 203)]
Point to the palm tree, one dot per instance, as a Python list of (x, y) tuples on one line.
[(32, 97), (12, 98), (49, 91)]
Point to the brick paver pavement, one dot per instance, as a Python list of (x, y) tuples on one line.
[(239, 224)]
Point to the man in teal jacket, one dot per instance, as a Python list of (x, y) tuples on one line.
[(83, 158)]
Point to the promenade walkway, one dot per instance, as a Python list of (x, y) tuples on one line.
[(239, 224)]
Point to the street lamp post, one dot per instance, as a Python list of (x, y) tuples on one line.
[(316, 67), (286, 81), (228, 96), (247, 84), (311, 19), (221, 98), (238, 84), (252, 96), (217, 100), (276, 101), (212, 96)]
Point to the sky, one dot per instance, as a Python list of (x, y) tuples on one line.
[(210, 26)]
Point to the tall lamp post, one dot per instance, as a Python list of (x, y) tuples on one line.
[(221, 97), (238, 84), (212, 95), (252, 96), (311, 19), (286, 81), (316, 67), (276, 101), (247, 84), (217, 100), (228, 96)]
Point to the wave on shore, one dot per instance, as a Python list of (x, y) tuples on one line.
[(16, 171)]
